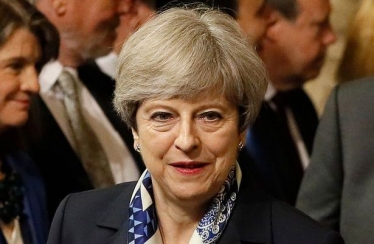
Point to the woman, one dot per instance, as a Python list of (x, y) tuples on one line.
[(24, 46), (189, 85)]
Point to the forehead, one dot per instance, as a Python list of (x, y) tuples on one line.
[(21, 43), (209, 100)]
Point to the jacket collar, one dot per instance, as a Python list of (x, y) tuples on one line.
[(250, 222), (117, 214)]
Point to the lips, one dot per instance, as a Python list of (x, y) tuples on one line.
[(24, 103), (20, 102), (188, 165), (189, 168)]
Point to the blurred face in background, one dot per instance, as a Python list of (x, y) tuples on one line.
[(253, 18), (86, 27), (131, 19), (294, 50), (18, 77), (97, 21)]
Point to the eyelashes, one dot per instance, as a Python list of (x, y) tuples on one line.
[(166, 116)]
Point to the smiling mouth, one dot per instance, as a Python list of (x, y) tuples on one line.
[(189, 165), (189, 169), (24, 103)]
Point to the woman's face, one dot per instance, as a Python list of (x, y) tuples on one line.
[(189, 147), (18, 77)]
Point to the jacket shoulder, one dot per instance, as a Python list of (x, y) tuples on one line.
[(289, 223)]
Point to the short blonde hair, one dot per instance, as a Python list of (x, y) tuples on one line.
[(188, 52)]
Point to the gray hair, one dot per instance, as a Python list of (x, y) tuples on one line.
[(187, 53)]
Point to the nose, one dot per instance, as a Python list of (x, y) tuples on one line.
[(30, 80), (186, 139)]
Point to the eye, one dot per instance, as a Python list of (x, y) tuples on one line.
[(161, 116), (16, 67), (210, 116)]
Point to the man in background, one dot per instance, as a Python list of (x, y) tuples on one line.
[(293, 49), (136, 16), (78, 141)]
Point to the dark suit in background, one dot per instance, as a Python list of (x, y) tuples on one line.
[(338, 186), (274, 160), (60, 167), (103, 216), (34, 222)]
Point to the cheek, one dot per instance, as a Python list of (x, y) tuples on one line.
[(7, 90), (309, 51), (10, 112), (154, 145), (9, 116), (223, 146)]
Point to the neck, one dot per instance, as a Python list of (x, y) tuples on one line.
[(68, 57), (7, 229), (177, 222), (176, 226)]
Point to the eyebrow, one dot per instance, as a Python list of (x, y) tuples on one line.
[(14, 59)]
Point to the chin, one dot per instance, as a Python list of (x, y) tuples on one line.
[(193, 197), (16, 121), (191, 193)]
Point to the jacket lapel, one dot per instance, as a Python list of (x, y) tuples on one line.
[(249, 224), (251, 219), (116, 216)]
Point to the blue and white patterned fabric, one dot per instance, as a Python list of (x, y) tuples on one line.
[(143, 227), (143, 221)]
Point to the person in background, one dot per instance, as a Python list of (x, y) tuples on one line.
[(358, 56), (77, 140), (27, 41), (189, 85), (252, 15), (337, 188), (293, 50), (131, 19), (226, 6)]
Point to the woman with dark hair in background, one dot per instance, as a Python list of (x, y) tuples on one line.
[(27, 41)]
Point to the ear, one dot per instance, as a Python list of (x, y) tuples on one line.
[(59, 7), (243, 137), (273, 23), (135, 136)]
